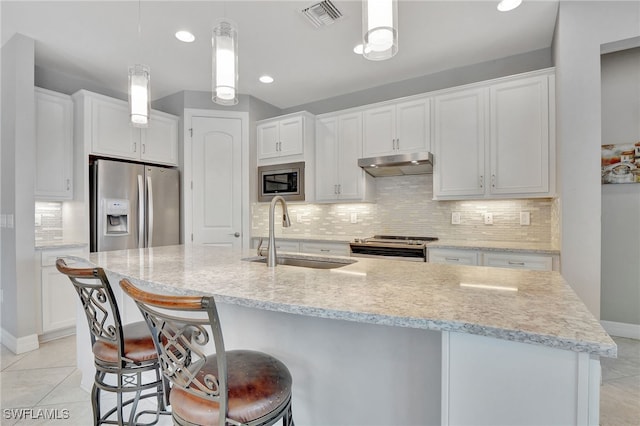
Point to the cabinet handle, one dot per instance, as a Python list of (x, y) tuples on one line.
[(134, 147), (452, 259), (481, 181), (68, 184), (398, 144), (143, 148), (511, 262), (339, 189), (325, 250), (493, 181)]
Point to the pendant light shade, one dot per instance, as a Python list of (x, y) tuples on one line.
[(380, 29), (139, 95), (225, 63)]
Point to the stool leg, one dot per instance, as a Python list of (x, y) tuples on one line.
[(95, 403)]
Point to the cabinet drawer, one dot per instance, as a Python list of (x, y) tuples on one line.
[(333, 249), (518, 261), (49, 257), (453, 257)]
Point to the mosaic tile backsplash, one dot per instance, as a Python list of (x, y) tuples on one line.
[(404, 206), (48, 221)]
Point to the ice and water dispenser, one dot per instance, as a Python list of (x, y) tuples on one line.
[(117, 220)]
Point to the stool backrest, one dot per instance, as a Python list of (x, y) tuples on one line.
[(99, 303), (183, 329)]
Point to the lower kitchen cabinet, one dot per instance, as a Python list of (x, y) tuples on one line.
[(57, 295), (518, 261), (328, 248), (453, 256), (496, 259)]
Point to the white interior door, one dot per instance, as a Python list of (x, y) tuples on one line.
[(217, 181)]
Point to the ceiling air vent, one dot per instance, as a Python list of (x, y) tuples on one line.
[(322, 14)]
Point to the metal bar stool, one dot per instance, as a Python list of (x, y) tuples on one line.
[(238, 387), (125, 357)]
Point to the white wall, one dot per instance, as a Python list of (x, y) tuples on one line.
[(19, 328), (581, 29), (621, 203)]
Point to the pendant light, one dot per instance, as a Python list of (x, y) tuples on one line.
[(139, 89), (380, 28), (224, 42)]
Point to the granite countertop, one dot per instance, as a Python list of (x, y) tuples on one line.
[(58, 244), (534, 307)]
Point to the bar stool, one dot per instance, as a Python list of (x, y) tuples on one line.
[(238, 387), (124, 356)]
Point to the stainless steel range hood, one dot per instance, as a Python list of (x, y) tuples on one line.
[(417, 163)]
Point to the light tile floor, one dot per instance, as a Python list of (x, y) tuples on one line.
[(47, 383)]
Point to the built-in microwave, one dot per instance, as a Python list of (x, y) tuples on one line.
[(286, 180)]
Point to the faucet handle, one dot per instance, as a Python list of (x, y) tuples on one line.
[(259, 250)]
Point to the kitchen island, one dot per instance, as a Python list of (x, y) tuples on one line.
[(385, 342)]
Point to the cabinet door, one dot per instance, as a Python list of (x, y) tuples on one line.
[(350, 176), (111, 133), (453, 256), (379, 131), (58, 300), (412, 126), (459, 144), (518, 261), (520, 136), (54, 145), (268, 140), (291, 136), (160, 140), (326, 159), (328, 248)]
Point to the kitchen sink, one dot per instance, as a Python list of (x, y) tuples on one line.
[(306, 262)]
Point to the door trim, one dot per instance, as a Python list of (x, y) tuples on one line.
[(189, 114)]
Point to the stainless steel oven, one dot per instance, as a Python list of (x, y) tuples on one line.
[(286, 180), (392, 247)]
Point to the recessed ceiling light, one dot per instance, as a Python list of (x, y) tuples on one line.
[(507, 5), (185, 36), (266, 79)]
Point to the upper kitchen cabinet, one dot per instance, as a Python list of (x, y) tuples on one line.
[(338, 147), (54, 145), (285, 139), (397, 128), (496, 139), (107, 127)]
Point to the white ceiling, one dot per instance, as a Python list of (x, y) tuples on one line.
[(98, 40)]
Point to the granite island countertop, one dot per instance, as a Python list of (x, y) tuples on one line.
[(535, 307)]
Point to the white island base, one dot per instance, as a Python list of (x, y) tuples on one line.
[(351, 373)]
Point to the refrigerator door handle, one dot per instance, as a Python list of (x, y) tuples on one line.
[(140, 212), (150, 207)]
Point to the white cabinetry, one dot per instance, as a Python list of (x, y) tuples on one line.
[(494, 258), (283, 139), (397, 128), (518, 261), (108, 129), (495, 140), (54, 145), (453, 256), (338, 147), (57, 295), (327, 248)]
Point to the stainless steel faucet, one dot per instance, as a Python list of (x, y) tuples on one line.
[(271, 255)]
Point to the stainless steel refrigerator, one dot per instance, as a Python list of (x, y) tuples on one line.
[(133, 205)]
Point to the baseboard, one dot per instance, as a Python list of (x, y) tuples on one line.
[(621, 329), (53, 335), (19, 345)]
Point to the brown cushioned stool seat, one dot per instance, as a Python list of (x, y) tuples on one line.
[(138, 345), (251, 396)]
